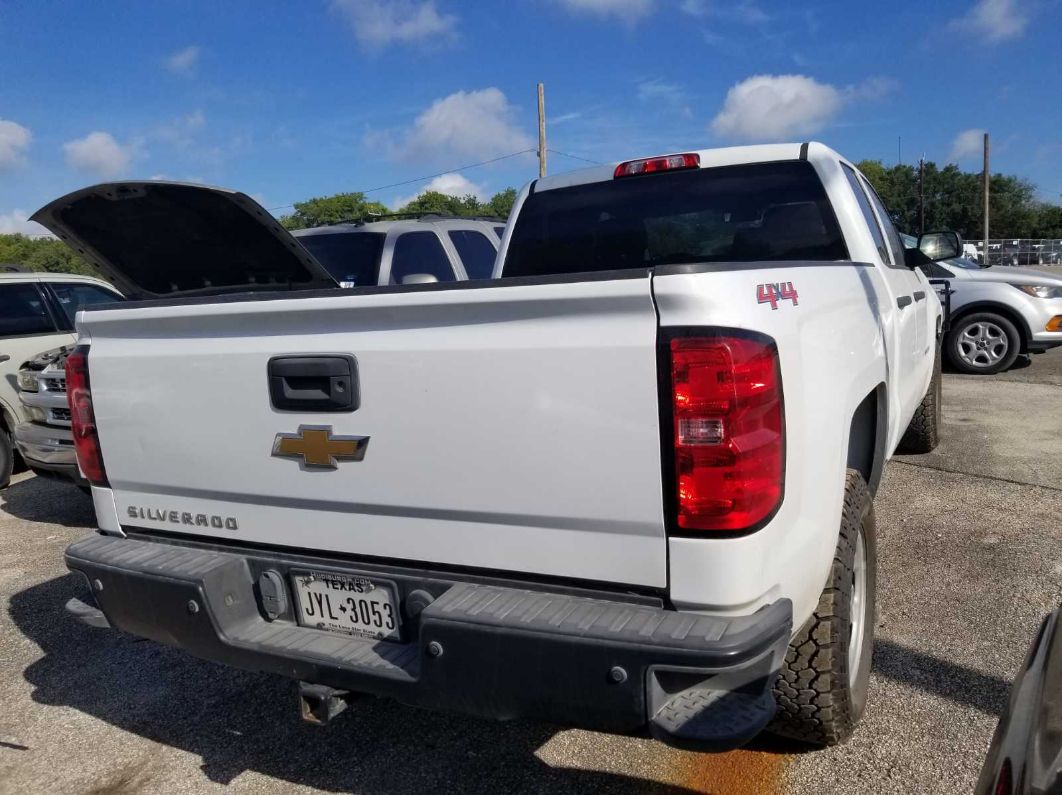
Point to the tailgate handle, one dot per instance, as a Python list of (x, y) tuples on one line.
[(314, 383)]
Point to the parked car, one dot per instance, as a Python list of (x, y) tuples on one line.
[(36, 313), (45, 440), (627, 484), (997, 313), (391, 252), (1025, 757)]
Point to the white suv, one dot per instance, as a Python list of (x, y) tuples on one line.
[(429, 248), (36, 314)]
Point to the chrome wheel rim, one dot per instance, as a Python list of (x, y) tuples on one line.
[(857, 618), (983, 344)]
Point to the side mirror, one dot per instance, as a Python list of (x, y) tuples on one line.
[(419, 278), (940, 245), (934, 247)]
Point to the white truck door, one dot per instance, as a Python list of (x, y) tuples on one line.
[(903, 333), (920, 292)]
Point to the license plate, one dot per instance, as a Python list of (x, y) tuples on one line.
[(347, 604)]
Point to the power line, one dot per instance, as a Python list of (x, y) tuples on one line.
[(576, 157), (429, 176)]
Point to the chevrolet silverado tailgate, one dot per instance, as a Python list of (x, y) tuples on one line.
[(511, 426)]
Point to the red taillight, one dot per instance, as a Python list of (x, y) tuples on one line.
[(82, 418), (728, 434), (651, 165)]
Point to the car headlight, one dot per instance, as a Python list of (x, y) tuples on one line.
[(1040, 290), (35, 414), (27, 380)]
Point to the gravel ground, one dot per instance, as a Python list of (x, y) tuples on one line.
[(970, 558)]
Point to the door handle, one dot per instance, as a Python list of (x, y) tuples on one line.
[(314, 383), (903, 300), (4, 357), (920, 295)]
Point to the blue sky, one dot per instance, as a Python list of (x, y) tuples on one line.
[(285, 101)]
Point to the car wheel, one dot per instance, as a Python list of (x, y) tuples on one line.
[(821, 690), (7, 458), (983, 343), (923, 433)]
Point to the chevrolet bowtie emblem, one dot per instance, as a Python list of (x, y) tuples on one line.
[(314, 447)]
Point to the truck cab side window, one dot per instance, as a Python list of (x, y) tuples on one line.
[(22, 311), (891, 235), (420, 252), (868, 214)]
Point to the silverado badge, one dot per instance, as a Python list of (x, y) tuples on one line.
[(314, 447)]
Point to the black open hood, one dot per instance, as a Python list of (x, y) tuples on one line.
[(159, 239)]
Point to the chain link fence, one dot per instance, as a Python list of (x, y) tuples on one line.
[(1017, 252)]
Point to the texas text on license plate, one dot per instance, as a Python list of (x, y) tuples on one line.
[(347, 603)]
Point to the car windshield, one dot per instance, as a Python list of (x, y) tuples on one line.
[(761, 211), (352, 258)]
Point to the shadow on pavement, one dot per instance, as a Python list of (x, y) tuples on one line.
[(237, 721), (940, 677), (37, 499), (1020, 363)]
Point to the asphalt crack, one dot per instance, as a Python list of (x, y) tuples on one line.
[(978, 476)]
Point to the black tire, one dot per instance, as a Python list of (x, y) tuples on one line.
[(7, 458), (959, 337), (818, 702), (923, 433)]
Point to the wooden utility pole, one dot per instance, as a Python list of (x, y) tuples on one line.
[(541, 130), (922, 195), (986, 180)]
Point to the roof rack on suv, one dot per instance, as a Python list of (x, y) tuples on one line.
[(374, 217)]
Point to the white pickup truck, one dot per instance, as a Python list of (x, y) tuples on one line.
[(626, 484)]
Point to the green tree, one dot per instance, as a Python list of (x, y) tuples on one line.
[(953, 201), (434, 202), (324, 210), (42, 254), (501, 203)]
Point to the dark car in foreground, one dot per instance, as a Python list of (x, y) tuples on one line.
[(1026, 751)]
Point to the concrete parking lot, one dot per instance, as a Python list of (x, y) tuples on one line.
[(970, 550)]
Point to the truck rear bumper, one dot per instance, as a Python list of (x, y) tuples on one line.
[(483, 649)]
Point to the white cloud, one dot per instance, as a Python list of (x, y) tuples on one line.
[(469, 124), (99, 154), (967, 144), (449, 184), (658, 93), (183, 61), (377, 23), (14, 141), (181, 131), (774, 107), (17, 222), (743, 13), (629, 11), (871, 89), (994, 20)]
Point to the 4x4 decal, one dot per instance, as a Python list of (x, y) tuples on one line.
[(773, 293)]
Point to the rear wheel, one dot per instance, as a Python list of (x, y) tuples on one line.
[(983, 343), (7, 458), (822, 688)]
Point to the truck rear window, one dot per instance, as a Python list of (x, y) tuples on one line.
[(762, 211), (351, 257)]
